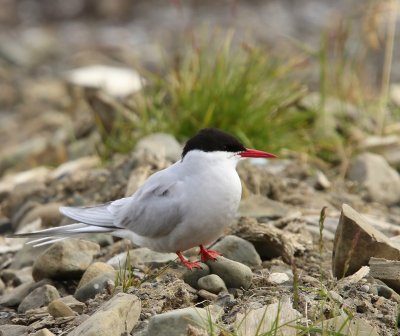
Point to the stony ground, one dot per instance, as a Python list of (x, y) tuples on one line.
[(277, 259)]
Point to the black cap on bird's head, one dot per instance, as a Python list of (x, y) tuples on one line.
[(213, 140)]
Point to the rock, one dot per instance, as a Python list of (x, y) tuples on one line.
[(356, 242), (321, 181), (386, 270), (73, 303), (207, 295), (193, 276), (93, 271), (76, 166), (387, 146), (114, 317), (261, 207), (278, 279), (48, 213), (238, 249), (15, 297), (175, 322), (373, 173), (161, 145), (95, 286), (138, 176), (352, 279), (57, 308), (65, 260), (212, 283), (2, 287), (27, 256), (348, 326), (39, 297), (13, 330), (269, 241), (233, 273), (117, 82), (43, 332), (277, 319), (15, 277), (142, 257)]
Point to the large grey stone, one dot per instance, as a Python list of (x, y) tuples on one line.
[(13, 330), (356, 241), (115, 317), (161, 144), (234, 274), (373, 173), (15, 297), (40, 297), (94, 286), (65, 260), (176, 322), (238, 249)]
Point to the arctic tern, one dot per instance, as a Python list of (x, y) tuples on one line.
[(185, 205)]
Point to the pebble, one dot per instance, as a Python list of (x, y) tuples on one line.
[(58, 308), (233, 273), (95, 286), (73, 303), (160, 143), (13, 330), (117, 316), (238, 249), (278, 278), (67, 259), (93, 271), (193, 276), (365, 288), (212, 283), (48, 213), (15, 277), (207, 295), (40, 297), (43, 332), (175, 322), (15, 297)]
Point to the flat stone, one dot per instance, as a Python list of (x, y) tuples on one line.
[(212, 283), (233, 273), (43, 332), (356, 241), (39, 297), (93, 271), (114, 317), (75, 166), (67, 259), (142, 257), (48, 213), (279, 317), (13, 330), (191, 277), (73, 303), (15, 297), (278, 278), (238, 249), (373, 173), (160, 144), (175, 322), (58, 308), (348, 326), (259, 206), (387, 271), (94, 286)]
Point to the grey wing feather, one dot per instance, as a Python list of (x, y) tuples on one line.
[(96, 215), (153, 211)]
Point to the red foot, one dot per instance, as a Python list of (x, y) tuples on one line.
[(208, 254), (189, 264)]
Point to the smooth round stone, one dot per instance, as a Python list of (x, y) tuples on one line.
[(212, 283)]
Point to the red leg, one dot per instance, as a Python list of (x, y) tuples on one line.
[(208, 254), (189, 264)]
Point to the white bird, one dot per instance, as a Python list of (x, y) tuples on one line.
[(185, 205)]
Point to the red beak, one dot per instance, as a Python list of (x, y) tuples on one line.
[(254, 153)]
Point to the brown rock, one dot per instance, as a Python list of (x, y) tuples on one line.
[(356, 241), (48, 213), (65, 259), (58, 308), (93, 271), (386, 270)]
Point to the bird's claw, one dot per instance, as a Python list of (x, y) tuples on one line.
[(191, 264), (208, 254)]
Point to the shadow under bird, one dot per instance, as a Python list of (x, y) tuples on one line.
[(185, 205)]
